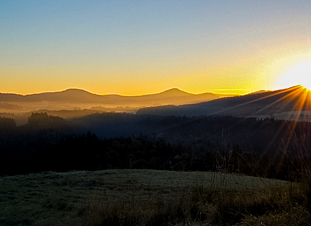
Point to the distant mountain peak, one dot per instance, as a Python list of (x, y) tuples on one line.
[(76, 90), (175, 91)]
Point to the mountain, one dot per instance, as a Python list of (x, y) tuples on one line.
[(70, 95), (294, 99), (77, 98)]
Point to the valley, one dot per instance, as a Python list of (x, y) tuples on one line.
[(176, 164)]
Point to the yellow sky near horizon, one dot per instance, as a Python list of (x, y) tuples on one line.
[(245, 75)]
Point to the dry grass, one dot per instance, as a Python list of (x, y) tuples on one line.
[(149, 197)]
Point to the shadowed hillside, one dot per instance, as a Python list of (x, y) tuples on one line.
[(295, 99)]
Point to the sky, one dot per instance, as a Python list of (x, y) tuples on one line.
[(139, 47)]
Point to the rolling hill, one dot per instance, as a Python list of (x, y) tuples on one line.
[(81, 98)]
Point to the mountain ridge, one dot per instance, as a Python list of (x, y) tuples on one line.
[(82, 98), (78, 90)]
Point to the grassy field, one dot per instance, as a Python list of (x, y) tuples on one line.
[(149, 197)]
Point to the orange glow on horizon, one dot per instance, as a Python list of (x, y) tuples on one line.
[(247, 74)]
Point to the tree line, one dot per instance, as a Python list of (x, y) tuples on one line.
[(49, 143)]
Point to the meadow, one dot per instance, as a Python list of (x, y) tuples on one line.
[(149, 197)]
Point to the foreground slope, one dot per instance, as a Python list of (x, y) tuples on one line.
[(121, 197)]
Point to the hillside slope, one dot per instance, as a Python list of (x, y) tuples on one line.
[(296, 98)]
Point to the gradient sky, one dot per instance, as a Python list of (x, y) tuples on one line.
[(137, 47)]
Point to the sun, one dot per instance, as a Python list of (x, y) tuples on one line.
[(298, 74)]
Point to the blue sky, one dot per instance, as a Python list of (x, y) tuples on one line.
[(119, 46)]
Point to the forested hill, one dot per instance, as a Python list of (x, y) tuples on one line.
[(252, 134), (102, 141)]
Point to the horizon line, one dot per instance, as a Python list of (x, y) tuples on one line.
[(145, 94), (107, 94)]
